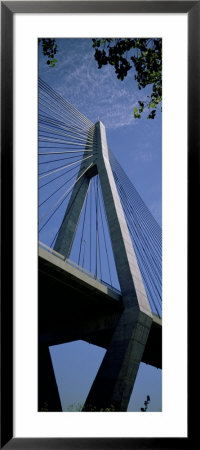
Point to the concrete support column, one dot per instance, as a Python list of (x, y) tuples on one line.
[(115, 379), (69, 225), (130, 279)]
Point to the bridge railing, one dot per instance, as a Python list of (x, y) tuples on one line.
[(76, 266)]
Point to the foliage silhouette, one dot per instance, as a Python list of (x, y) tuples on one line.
[(49, 49), (146, 403), (145, 55)]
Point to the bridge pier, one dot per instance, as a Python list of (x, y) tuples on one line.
[(114, 381)]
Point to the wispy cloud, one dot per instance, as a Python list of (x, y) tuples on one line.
[(143, 156), (156, 209), (96, 93)]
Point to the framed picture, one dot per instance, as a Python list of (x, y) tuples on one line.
[(22, 425)]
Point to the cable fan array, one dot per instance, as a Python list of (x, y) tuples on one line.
[(67, 152), (145, 234), (66, 146)]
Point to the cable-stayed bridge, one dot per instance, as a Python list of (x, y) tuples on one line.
[(100, 267)]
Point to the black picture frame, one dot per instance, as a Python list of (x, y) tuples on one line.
[(8, 9)]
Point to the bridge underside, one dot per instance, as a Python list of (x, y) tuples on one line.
[(72, 307)]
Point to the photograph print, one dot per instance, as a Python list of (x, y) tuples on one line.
[(99, 224)]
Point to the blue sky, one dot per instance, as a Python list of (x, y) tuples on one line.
[(137, 145)]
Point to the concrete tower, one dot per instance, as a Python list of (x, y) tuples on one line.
[(116, 376)]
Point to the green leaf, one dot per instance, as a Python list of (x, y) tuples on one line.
[(152, 105), (137, 115)]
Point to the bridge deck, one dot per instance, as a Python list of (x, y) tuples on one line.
[(72, 306)]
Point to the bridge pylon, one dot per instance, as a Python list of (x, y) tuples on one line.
[(115, 378)]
